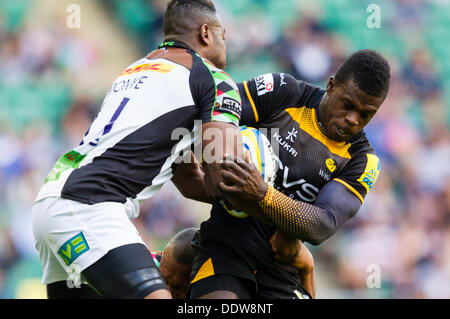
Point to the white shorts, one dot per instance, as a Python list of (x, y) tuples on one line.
[(71, 236)]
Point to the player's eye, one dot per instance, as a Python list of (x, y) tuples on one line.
[(367, 115), (348, 106)]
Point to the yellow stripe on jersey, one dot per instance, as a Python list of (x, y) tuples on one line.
[(371, 172), (307, 121), (251, 102), (354, 191), (206, 270)]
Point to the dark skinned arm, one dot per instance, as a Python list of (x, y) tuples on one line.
[(219, 140), (293, 252), (245, 189), (189, 179), (199, 181)]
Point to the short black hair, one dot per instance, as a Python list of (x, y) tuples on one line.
[(368, 69), (182, 251), (183, 16)]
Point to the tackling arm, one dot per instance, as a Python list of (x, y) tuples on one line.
[(245, 189), (335, 204), (293, 252), (219, 140), (189, 179)]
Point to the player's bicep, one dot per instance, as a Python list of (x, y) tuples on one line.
[(220, 139), (339, 200), (360, 175)]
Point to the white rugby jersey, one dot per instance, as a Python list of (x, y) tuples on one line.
[(128, 152)]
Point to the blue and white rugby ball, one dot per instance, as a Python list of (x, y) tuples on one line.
[(262, 156)]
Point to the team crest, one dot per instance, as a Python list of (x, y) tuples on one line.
[(331, 165)]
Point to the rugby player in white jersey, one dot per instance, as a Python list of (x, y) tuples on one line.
[(81, 216)]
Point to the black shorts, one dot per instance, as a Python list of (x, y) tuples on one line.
[(217, 267), (125, 272), (243, 288), (275, 285)]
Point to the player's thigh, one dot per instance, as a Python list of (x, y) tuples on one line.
[(127, 272), (274, 283), (53, 268), (221, 286), (81, 236), (282, 292), (62, 290), (219, 273)]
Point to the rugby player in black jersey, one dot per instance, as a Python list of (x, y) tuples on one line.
[(327, 166)]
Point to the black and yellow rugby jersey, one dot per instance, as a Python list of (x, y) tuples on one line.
[(286, 110)]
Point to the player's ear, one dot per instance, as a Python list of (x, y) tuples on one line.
[(331, 84), (205, 36)]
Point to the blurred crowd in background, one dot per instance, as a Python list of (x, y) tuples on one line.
[(403, 228)]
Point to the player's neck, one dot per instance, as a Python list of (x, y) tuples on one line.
[(320, 111), (183, 40)]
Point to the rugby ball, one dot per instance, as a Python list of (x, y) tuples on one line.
[(262, 156)]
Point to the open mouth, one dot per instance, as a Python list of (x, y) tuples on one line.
[(342, 132)]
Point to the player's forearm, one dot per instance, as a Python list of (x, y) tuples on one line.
[(304, 262), (193, 188), (307, 279), (294, 253), (298, 219), (219, 140), (189, 179), (334, 205)]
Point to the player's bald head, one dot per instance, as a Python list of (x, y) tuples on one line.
[(180, 246), (176, 262), (184, 17)]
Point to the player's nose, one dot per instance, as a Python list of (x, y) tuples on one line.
[(352, 119)]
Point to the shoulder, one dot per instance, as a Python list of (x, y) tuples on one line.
[(360, 145), (218, 77)]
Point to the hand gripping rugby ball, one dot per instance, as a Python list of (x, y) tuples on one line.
[(261, 155)]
